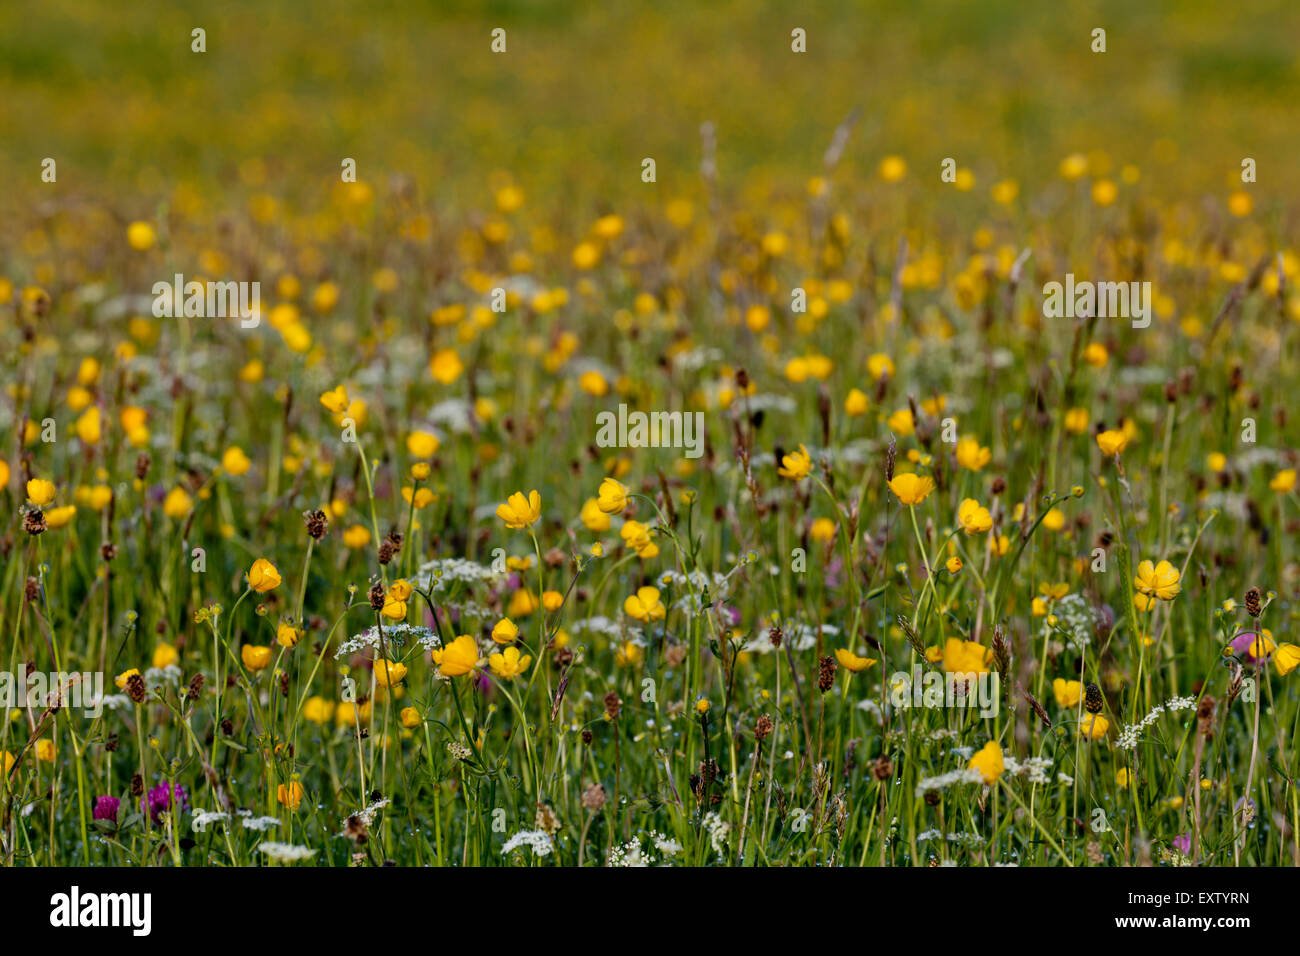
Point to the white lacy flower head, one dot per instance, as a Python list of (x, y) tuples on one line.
[(945, 780), (1078, 619), (260, 823), (286, 852), (395, 636), (800, 635), (718, 830), (201, 819), (367, 814), (538, 840), (155, 677), (438, 575)]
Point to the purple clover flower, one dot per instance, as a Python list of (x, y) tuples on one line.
[(159, 800)]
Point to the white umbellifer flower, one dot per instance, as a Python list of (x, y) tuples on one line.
[(395, 635), (155, 677), (945, 780), (718, 831), (539, 840), (112, 702), (286, 852), (202, 818), (1132, 733), (665, 845), (629, 854), (367, 815), (437, 576), (260, 823)]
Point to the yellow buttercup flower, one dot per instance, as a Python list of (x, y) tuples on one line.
[(263, 576), (508, 664), (286, 635), (911, 489), (901, 422), (40, 492), (640, 538), (178, 504), (856, 403), (318, 710), (410, 718), (1093, 726), (389, 673), (422, 444), (58, 517), (796, 466), (1286, 658), (1067, 692), (234, 461), (1160, 580), (611, 498), (121, 679), (851, 662), (164, 655), (446, 366), (457, 658), (1283, 481), (988, 761), (593, 519), (645, 605), (966, 657), (256, 657), (140, 236), (971, 455), (974, 518), (519, 512), (1112, 442), (335, 400), (505, 631)]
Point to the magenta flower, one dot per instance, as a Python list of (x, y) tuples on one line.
[(105, 808), (159, 800)]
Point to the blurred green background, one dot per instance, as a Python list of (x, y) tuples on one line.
[(586, 89)]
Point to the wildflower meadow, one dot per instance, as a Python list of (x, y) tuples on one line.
[(480, 434)]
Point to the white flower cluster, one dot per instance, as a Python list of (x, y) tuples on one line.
[(112, 702), (201, 819), (608, 627), (801, 637), (156, 678), (945, 780), (1034, 769), (718, 831), (539, 840), (437, 575), (1130, 735), (258, 823), (633, 853), (286, 852), (966, 839), (1078, 619), (395, 635), (367, 815)]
